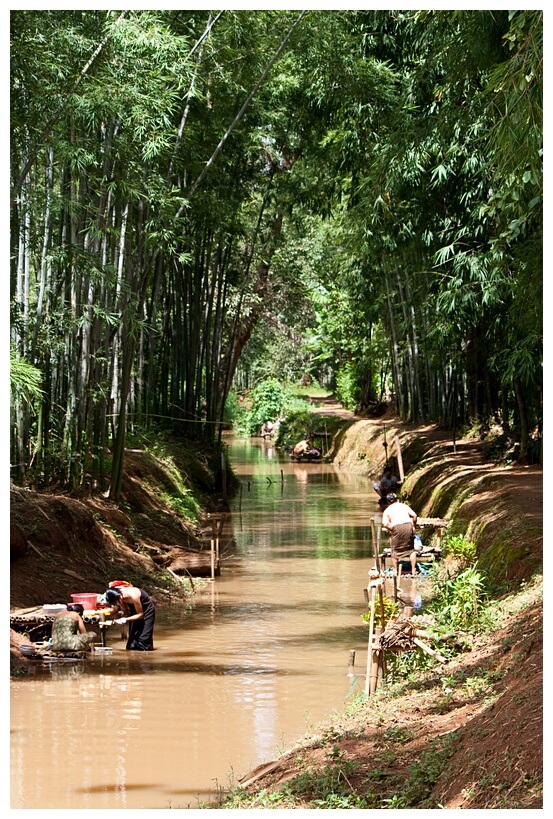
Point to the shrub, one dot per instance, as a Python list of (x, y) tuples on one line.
[(268, 402), (459, 546), (460, 601)]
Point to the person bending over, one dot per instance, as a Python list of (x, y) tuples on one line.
[(399, 520), (138, 610), (69, 631), (387, 483), (305, 449)]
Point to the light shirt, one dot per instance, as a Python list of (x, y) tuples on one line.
[(398, 513)]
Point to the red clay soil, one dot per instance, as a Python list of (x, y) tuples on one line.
[(466, 735)]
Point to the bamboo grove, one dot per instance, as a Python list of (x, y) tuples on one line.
[(362, 186)]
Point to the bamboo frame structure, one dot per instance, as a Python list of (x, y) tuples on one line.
[(376, 654)]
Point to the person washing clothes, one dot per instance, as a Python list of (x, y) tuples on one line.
[(138, 610), (305, 449), (399, 520), (69, 631)]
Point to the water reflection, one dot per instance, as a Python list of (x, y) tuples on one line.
[(260, 656)]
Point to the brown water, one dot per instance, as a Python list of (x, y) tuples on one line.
[(256, 660)]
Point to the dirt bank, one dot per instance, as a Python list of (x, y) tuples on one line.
[(68, 542), (466, 734), (498, 505)]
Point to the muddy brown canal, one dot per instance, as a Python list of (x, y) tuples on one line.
[(258, 658)]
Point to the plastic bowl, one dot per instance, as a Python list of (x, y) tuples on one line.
[(86, 599), (53, 608)]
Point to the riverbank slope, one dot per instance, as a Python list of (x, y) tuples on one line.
[(467, 733), (64, 542)]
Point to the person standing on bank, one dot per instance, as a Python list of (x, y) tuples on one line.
[(399, 520), (138, 610)]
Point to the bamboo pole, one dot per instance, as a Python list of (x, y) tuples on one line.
[(376, 660), (378, 568), (399, 459), (429, 650), (213, 536), (375, 545), (369, 649), (224, 475)]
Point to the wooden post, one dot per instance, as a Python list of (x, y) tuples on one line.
[(376, 661), (379, 663), (224, 475), (375, 545), (213, 535), (370, 645), (381, 601), (219, 537), (399, 459)]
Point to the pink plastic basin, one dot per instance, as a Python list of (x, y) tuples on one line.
[(87, 600)]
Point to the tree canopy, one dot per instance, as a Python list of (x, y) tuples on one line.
[(201, 198)]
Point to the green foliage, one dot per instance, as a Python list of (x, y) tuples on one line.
[(268, 401), (425, 772), (185, 505), (348, 390), (234, 413), (25, 379), (391, 610), (329, 786), (460, 602), (459, 546)]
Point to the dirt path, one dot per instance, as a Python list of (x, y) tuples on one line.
[(522, 484), (331, 407)]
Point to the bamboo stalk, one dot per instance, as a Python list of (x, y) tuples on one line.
[(369, 649), (375, 545), (34, 548), (399, 459), (429, 650)]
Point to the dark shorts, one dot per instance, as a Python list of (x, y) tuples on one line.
[(402, 540)]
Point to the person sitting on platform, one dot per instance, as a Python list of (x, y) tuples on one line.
[(138, 609), (305, 449), (387, 483), (399, 520), (69, 631)]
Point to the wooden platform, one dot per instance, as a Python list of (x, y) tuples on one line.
[(35, 615), (439, 523), (34, 619)]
